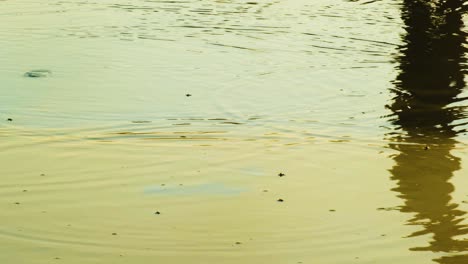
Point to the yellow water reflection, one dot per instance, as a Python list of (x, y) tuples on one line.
[(432, 65), (160, 134)]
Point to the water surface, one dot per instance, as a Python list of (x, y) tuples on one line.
[(154, 131)]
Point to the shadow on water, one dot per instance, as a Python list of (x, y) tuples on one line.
[(427, 116)]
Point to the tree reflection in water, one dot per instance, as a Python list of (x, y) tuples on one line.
[(427, 110)]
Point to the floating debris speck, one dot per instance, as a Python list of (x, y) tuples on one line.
[(38, 73)]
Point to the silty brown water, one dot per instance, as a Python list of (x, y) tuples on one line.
[(106, 159)]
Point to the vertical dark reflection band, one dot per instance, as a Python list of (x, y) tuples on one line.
[(428, 113)]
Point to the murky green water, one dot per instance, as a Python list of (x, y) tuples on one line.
[(154, 131)]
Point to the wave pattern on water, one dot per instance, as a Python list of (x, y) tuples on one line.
[(163, 131)]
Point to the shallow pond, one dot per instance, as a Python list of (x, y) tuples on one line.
[(229, 131)]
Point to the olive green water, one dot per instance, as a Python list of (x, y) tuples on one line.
[(154, 132)]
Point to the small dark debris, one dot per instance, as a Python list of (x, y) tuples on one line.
[(238, 243), (332, 210), (56, 258), (281, 174), (188, 95), (9, 119), (25, 190), (157, 212), (426, 147), (383, 235), (232, 123), (280, 200), (114, 234), (37, 73), (265, 190), (17, 203), (183, 136), (163, 184), (42, 174), (395, 208)]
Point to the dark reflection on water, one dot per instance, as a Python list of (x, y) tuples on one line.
[(427, 115)]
